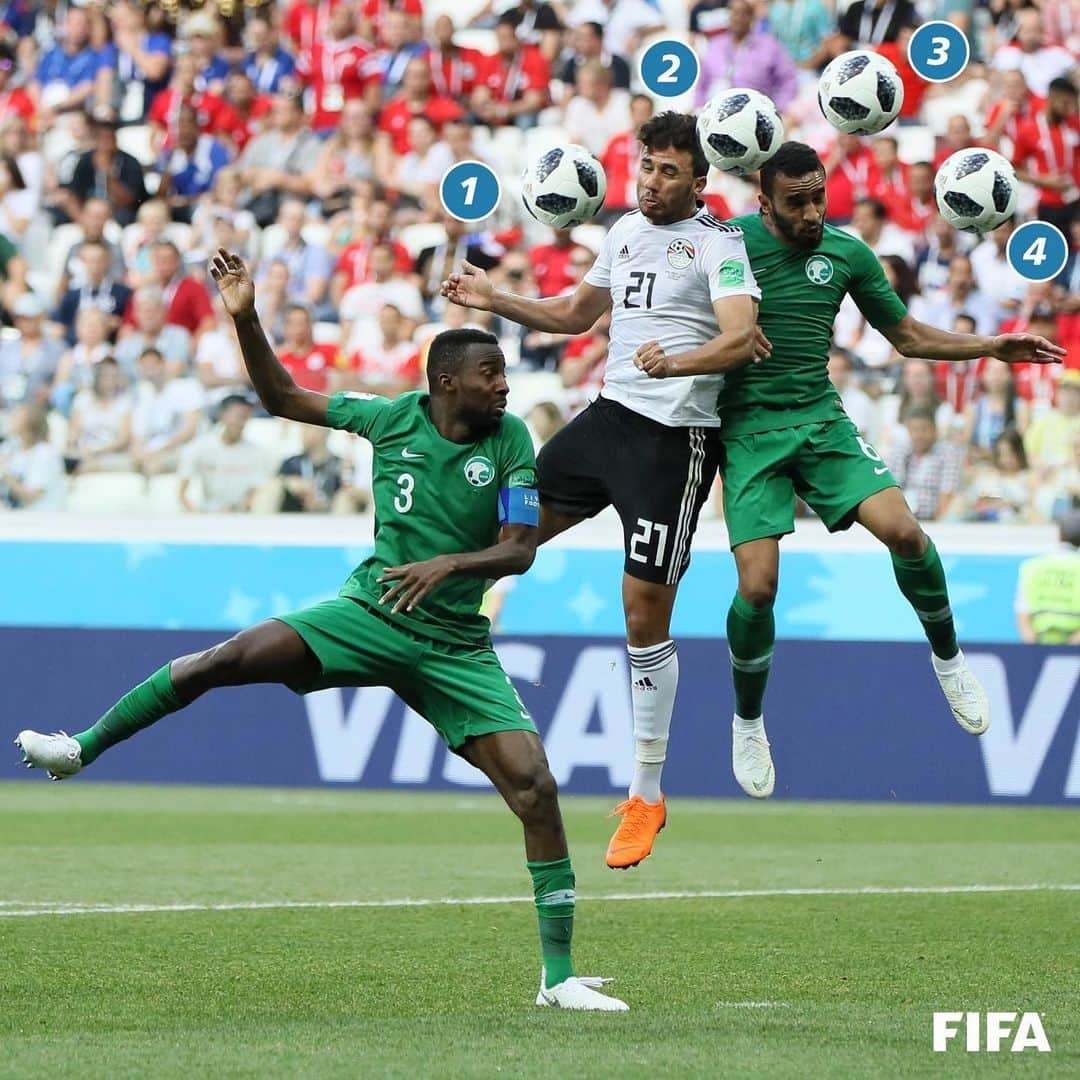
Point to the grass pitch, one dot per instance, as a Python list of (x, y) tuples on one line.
[(828, 983)]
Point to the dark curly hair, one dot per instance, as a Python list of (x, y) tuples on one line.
[(674, 131)]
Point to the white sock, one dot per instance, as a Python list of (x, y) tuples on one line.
[(948, 667), (743, 726), (654, 678)]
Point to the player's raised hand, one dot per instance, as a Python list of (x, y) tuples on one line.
[(470, 288), (414, 581), (233, 282), (1027, 349), (652, 359)]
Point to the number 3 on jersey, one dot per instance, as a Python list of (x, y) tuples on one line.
[(404, 499)]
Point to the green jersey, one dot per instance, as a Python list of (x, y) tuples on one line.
[(432, 497), (801, 293)]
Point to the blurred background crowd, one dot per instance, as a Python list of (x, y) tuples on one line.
[(311, 135)]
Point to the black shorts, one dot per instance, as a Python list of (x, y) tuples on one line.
[(657, 478)]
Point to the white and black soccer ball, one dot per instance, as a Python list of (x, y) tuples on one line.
[(976, 190), (860, 93), (565, 186), (739, 130)]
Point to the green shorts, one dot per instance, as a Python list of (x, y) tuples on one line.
[(828, 464), (461, 690)]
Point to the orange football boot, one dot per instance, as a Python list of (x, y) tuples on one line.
[(633, 839)]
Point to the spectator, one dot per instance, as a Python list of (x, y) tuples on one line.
[(310, 365), (581, 366), (1061, 492), (13, 271), (587, 43), (315, 481), (957, 137), (1047, 154), (435, 264), (957, 381), (31, 468), (597, 112), (994, 277), (455, 69), (416, 175), (140, 60), (347, 158), (361, 304), (543, 420), (855, 334), (401, 43), (915, 214), (415, 98), (889, 177), (1049, 439), (943, 244), (229, 468), (354, 263), (168, 414), (18, 203), (514, 85), (107, 173), (708, 18), (14, 99), (549, 262), (215, 116), (65, 77), (999, 489), (149, 329), (1040, 62), (219, 367), (335, 69), (77, 363), (747, 57), (626, 23), (1062, 23), (187, 303), (928, 470), (270, 68), (94, 221), (1007, 112), (870, 223), (915, 86), (201, 33), (997, 407), (918, 390), (804, 28), (388, 362), (621, 159), (223, 202), (857, 403), (280, 161), (538, 24), (189, 168), (960, 295), (310, 265), (99, 291), (1048, 592), (848, 167), (28, 362), (306, 21), (272, 298), (872, 22), (99, 428), (247, 110)]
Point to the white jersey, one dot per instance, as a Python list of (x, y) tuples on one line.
[(663, 281)]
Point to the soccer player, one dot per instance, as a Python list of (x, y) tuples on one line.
[(676, 279), (785, 433), (455, 504)]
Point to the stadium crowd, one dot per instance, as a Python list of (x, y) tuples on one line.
[(311, 135)]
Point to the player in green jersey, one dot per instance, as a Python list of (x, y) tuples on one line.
[(785, 433), (455, 504)]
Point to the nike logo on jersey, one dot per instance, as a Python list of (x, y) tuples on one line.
[(408, 455), (881, 470)]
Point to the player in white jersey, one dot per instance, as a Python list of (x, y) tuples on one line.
[(683, 301)]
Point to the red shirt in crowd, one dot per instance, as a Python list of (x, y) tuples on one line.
[(250, 124), (354, 261), (309, 371), (378, 363), (551, 268), (914, 87), (305, 23), (216, 115), (528, 70), (17, 102), (620, 161), (335, 71), (849, 182), (187, 304), (375, 11), (1033, 105), (1046, 149), (396, 114), (455, 74)]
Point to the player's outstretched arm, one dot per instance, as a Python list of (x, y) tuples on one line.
[(913, 338), (572, 314), (513, 554), (275, 386)]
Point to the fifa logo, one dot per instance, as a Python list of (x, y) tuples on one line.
[(1028, 1034)]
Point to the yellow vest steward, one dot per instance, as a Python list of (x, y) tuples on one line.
[(1050, 587)]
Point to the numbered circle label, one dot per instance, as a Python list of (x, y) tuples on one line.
[(669, 68), (470, 191), (938, 51), (1037, 251)]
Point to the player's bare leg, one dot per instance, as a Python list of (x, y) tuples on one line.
[(270, 652), (515, 762), (751, 632), (654, 679), (921, 578)]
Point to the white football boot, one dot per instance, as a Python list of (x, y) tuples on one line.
[(751, 762), (964, 693), (579, 992), (59, 755)]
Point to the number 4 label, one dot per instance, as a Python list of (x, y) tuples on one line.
[(1037, 251)]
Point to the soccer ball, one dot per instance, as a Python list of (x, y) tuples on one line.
[(739, 130), (860, 93), (976, 190), (564, 186)]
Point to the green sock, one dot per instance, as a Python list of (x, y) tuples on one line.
[(553, 889), (137, 709), (751, 633), (922, 581)]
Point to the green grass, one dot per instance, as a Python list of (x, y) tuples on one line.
[(447, 990)]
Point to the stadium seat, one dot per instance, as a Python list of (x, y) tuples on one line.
[(58, 427), (341, 443), (529, 387), (181, 235), (423, 234), (316, 233), (107, 493), (163, 494), (471, 37), (963, 99), (506, 145), (590, 236), (278, 436), (914, 144), (271, 242), (539, 139), (326, 333), (137, 141)]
